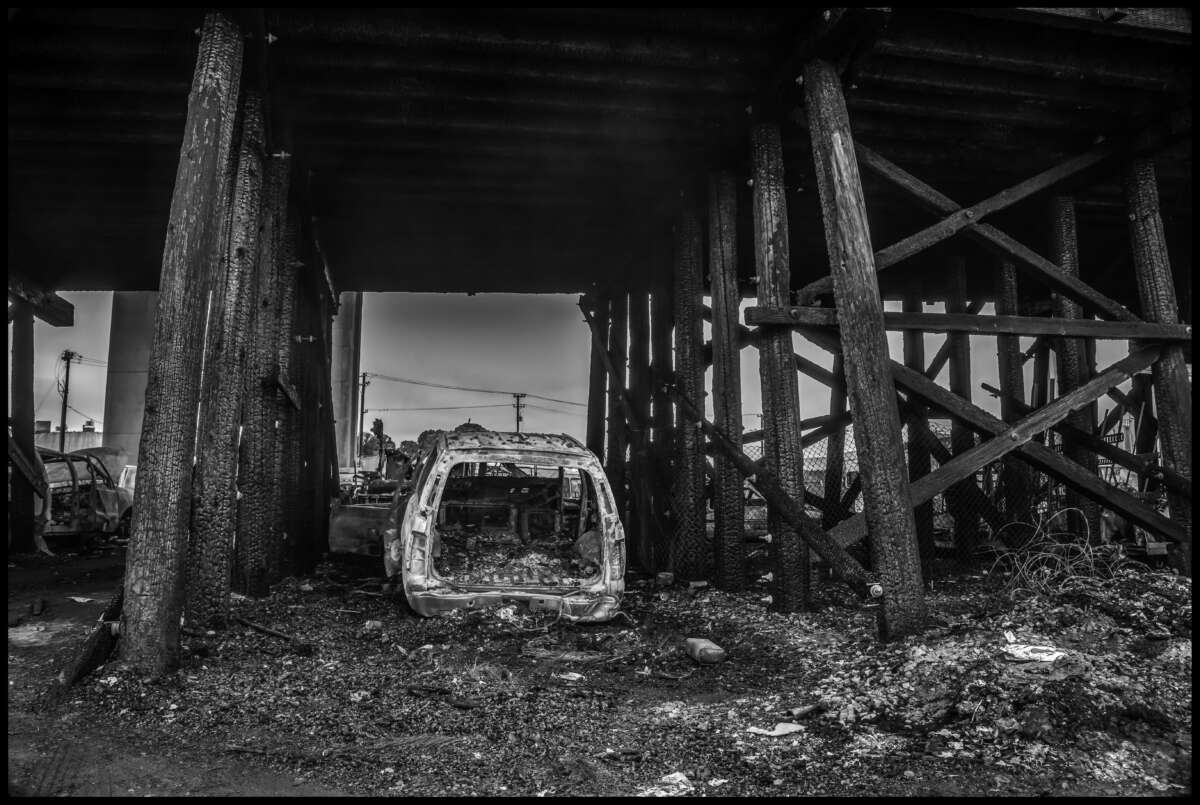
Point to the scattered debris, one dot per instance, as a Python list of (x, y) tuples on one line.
[(704, 651), (780, 729), (675, 784)]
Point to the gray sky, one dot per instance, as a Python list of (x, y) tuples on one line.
[(537, 344)]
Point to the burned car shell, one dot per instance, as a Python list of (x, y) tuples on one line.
[(407, 542)]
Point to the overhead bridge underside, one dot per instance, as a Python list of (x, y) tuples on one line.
[(544, 150)]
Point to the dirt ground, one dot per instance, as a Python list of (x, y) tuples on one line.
[(370, 699)]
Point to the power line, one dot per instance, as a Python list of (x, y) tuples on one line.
[(86, 416), (553, 410), (442, 407), (432, 385)]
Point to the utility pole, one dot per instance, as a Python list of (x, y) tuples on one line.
[(362, 413), (67, 357), (518, 405)]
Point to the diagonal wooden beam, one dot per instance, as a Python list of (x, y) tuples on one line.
[(966, 464), (768, 485), (46, 305), (1171, 479), (748, 337), (806, 316), (1040, 456), (1023, 256)]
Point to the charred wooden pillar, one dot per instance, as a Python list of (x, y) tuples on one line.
[(890, 527), (1016, 477), (782, 452), (214, 514), (597, 381), (1145, 423), (962, 438), (618, 440), (919, 462), (1039, 393), (261, 509), (318, 426), (21, 505), (157, 553), (835, 449), (1072, 366), (290, 437), (1172, 386), (640, 465), (729, 517), (688, 552), (662, 319)]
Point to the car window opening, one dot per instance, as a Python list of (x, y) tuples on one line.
[(500, 523)]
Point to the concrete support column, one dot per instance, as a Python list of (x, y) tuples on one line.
[(347, 354), (130, 337)]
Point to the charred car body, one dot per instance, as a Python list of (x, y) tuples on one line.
[(493, 518)]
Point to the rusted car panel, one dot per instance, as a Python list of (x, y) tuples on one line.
[(508, 517), (82, 496)]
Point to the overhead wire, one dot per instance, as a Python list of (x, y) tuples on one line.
[(443, 407), (431, 384)]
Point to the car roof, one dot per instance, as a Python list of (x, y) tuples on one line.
[(509, 440)]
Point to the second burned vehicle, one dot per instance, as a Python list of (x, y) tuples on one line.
[(494, 518)]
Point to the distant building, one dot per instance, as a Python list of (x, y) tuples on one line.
[(43, 436)]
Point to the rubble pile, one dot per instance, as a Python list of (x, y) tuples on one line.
[(507, 701), (488, 555)]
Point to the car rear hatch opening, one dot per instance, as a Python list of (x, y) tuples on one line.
[(532, 526)]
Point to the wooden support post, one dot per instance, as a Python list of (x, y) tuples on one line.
[(919, 463), (662, 439), (1145, 423), (618, 440), (1072, 365), (597, 380), (260, 509), (688, 554), (214, 512), (162, 500), (782, 453), (1016, 478), (1039, 393), (21, 504), (290, 436), (835, 449), (962, 438), (729, 507), (893, 540), (640, 466), (1172, 387)]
